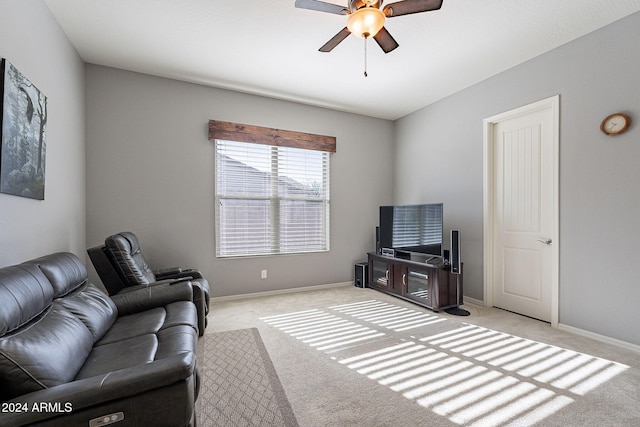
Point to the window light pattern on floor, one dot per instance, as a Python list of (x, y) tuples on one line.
[(472, 375), (321, 330), (389, 316)]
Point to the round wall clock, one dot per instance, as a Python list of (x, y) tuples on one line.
[(615, 124)]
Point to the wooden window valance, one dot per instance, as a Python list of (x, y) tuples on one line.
[(260, 135)]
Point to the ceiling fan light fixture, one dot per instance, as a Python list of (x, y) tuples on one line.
[(366, 22)]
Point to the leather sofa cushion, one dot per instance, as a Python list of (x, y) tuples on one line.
[(135, 351), (92, 307), (150, 322), (64, 271), (143, 338), (134, 325), (25, 293), (57, 340), (58, 344)]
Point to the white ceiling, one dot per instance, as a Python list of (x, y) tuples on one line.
[(269, 47)]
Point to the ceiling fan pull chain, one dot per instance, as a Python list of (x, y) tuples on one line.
[(365, 56)]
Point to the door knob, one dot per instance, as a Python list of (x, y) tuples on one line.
[(545, 241)]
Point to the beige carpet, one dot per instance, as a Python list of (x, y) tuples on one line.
[(239, 386), (356, 357)]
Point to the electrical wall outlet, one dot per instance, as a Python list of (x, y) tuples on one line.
[(263, 274)]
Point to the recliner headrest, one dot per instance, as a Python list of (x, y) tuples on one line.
[(125, 241)]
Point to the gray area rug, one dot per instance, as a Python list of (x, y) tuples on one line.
[(239, 384)]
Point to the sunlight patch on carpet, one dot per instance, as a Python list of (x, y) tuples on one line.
[(321, 330), (388, 316), (560, 368), (471, 375)]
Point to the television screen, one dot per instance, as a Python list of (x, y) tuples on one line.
[(412, 228)]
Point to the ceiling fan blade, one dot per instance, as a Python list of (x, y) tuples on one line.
[(321, 6), (407, 7), (335, 40), (385, 40)]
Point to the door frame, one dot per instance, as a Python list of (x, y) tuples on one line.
[(489, 124)]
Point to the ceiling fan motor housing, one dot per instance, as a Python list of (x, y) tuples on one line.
[(357, 4)]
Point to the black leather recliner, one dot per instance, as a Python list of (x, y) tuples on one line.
[(122, 267), (72, 356)]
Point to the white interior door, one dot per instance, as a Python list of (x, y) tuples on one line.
[(523, 259)]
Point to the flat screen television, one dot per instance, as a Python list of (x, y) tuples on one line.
[(412, 228)]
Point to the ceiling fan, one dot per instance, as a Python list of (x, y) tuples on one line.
[(366, 19)]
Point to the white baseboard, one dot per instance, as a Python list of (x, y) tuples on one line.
[(280, 292), (473, 301), (467, 300), (602, 338)]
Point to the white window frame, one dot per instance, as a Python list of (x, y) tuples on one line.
[(275, 201)]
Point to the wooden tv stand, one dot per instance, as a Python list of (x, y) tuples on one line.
[(416, 278)]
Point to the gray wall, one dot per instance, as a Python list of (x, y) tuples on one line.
[(32, 41), (150, 170), (439, 157)]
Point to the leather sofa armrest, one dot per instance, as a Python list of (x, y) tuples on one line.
[(156, 283), (171, 270), (177, 273), (96, 391), (152, 296)]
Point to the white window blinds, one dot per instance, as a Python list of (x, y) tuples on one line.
[(270, 199)]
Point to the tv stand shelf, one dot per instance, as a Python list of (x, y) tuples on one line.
[(417, 278)]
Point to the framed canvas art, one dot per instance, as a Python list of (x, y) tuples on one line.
[(23, 135)]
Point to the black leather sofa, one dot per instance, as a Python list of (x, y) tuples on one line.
[(72, 356), (122, 266)]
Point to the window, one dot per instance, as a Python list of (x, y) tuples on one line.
[(270, 199)]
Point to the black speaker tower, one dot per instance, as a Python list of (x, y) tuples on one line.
[(455, 252), (456, 268)]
